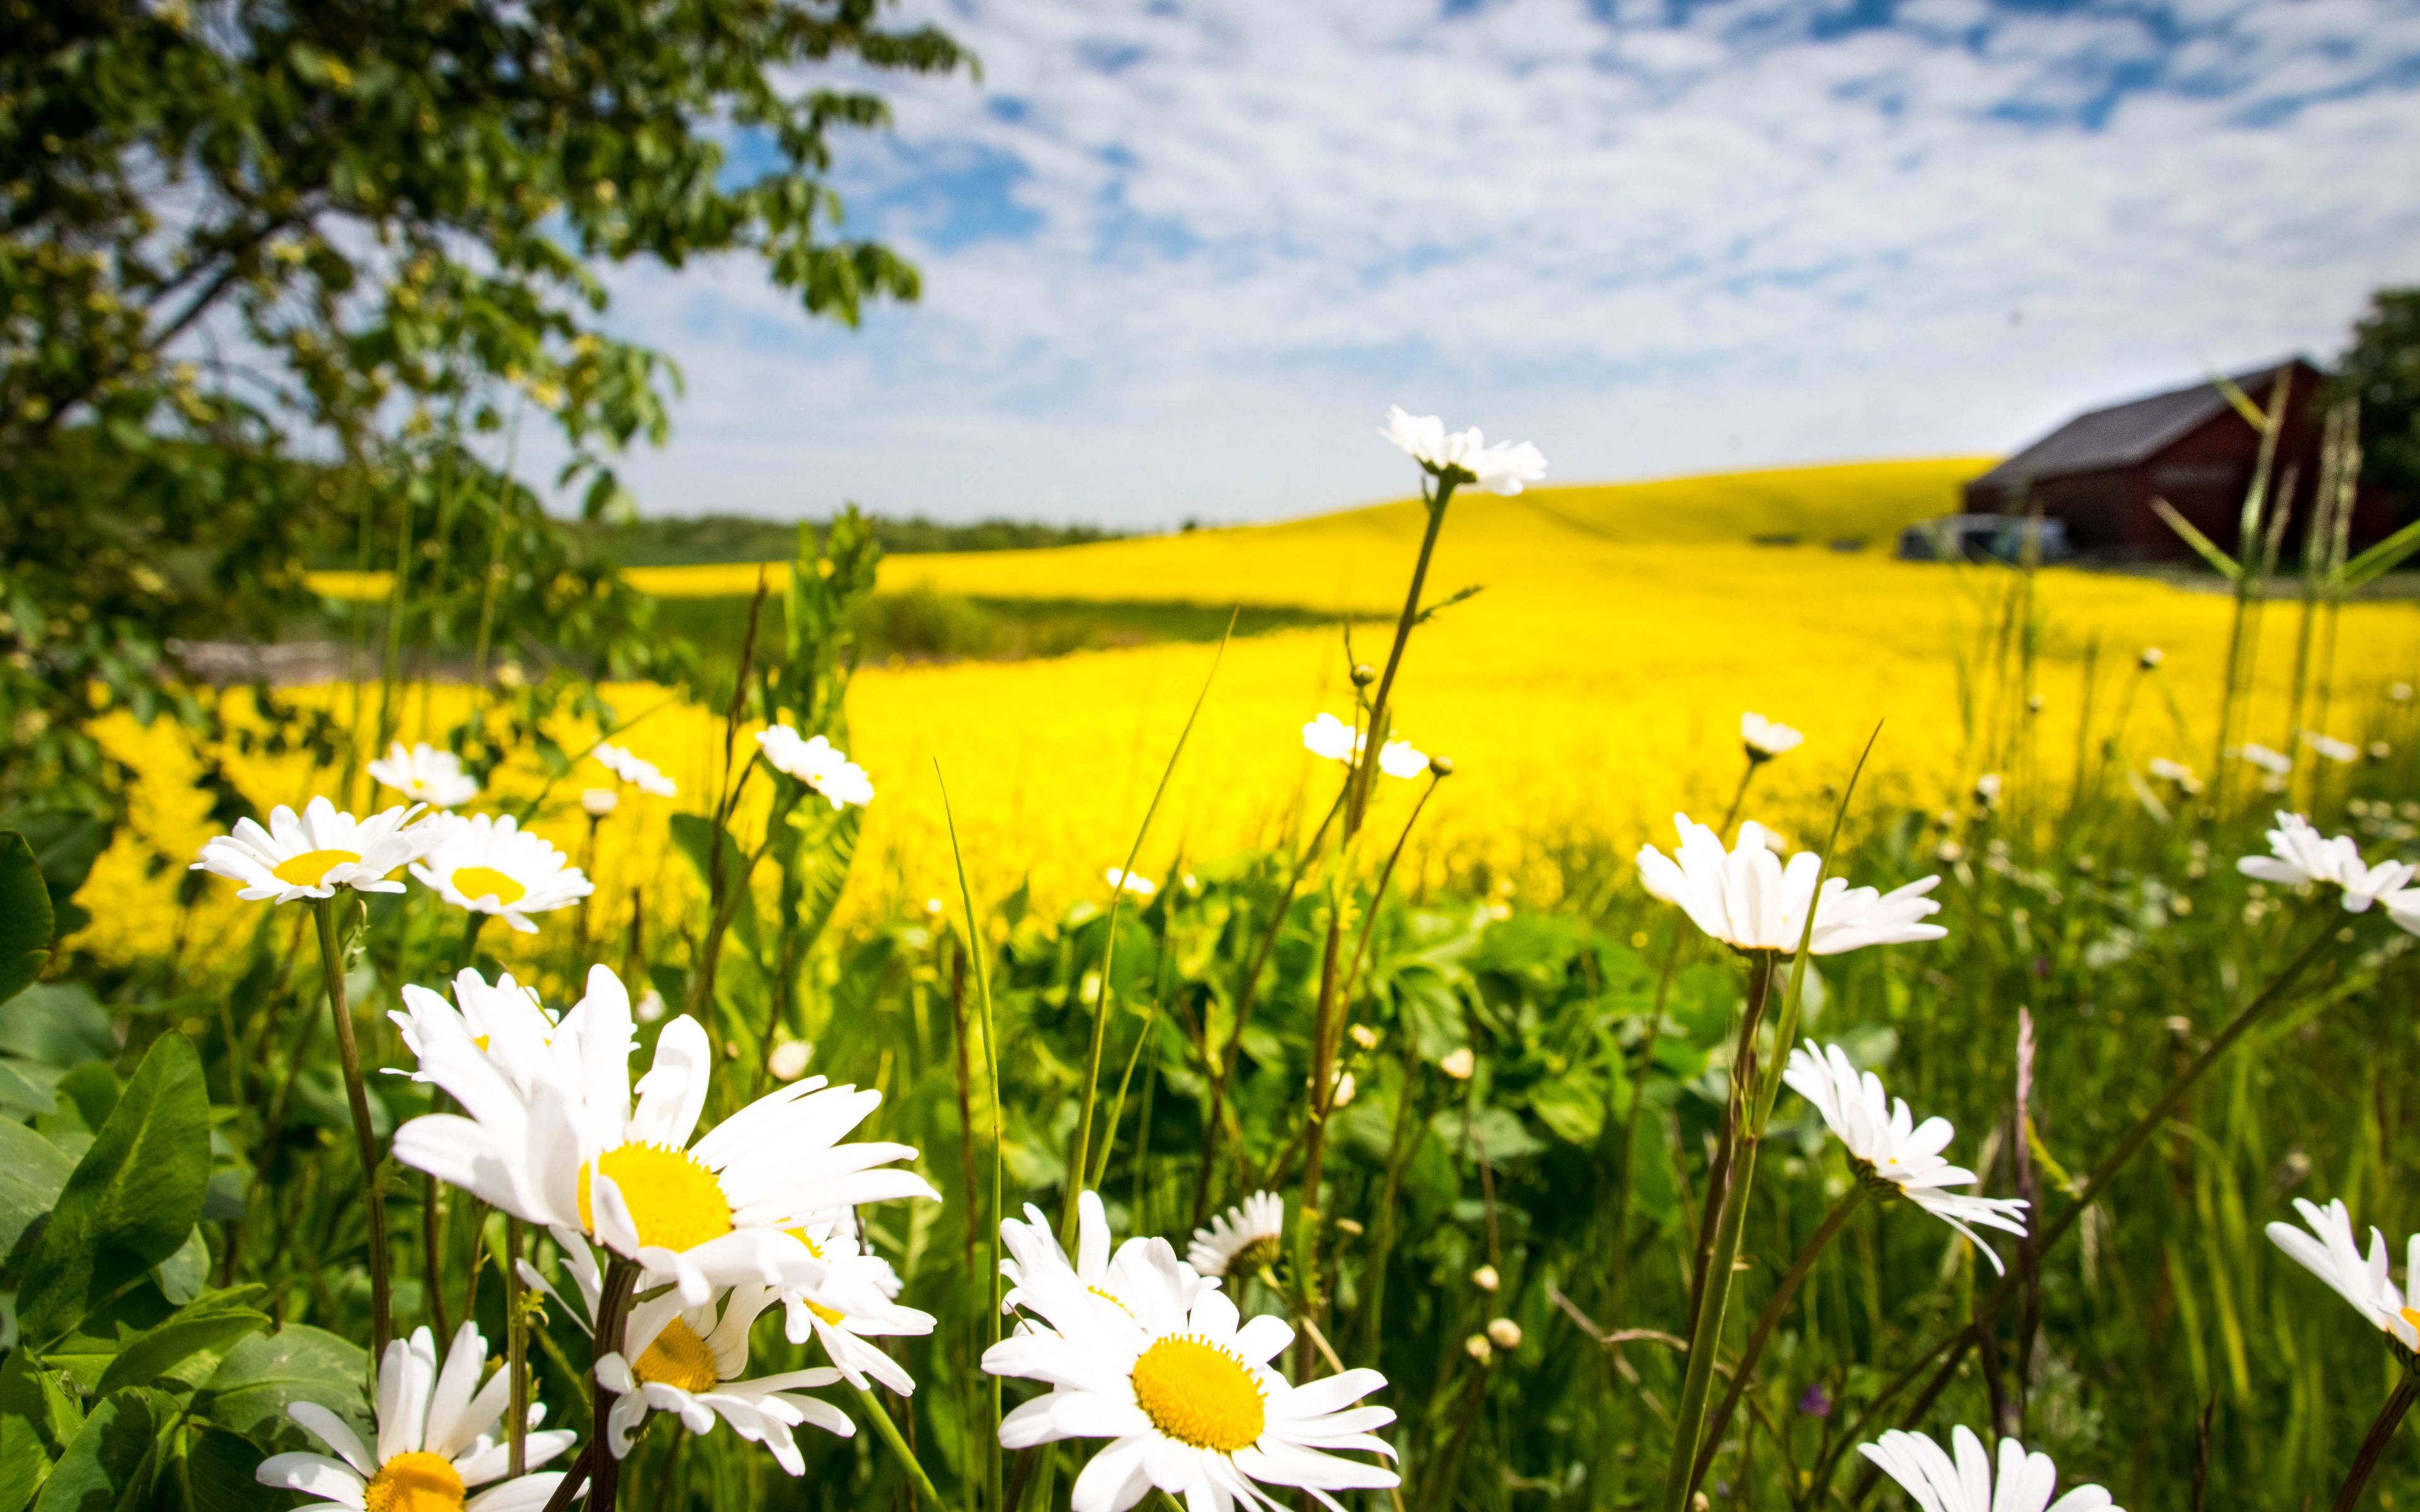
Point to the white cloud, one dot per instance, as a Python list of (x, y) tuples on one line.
[(1240, 230)]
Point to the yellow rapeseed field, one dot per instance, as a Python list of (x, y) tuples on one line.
[(1591, 688)]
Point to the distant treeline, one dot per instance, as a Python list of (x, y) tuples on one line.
[(678, 541)]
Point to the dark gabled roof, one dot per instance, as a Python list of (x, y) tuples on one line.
[(2126, 434)]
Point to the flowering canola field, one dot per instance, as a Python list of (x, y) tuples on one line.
[(1590, 689)]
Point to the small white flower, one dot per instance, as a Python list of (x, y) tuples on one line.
[(693, 1362), (1331, 739), (2298, 855), (2176, 772), (816, 763), (599, 802), (1397, 758), (1987, 789), (490, 865), (1749, 900), (1133, 884), (2329, 1253), (641, 774), (2274, 763), (2331, 747), (1940, 1485), (424, 775), (788, 1061), (1458, 1064), (857, 1301), (1765, 738), (1180, 1385), (1241, 1239), (1891, 1149), (313, 854), (1486, 1278), (651, 1005), (2150, 658), (433, 1436), (1463, 455), (1033, 1253)]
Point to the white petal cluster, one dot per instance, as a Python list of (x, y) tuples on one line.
[(1169, 1372), (2336, 750), (1463, 455), (1889, 1145), (2328, 1252), (480, 1012), (434, 1438), (1331, 739), (1034, 1252), (2298, 855), (490, 865), (1766, 738), (1749, 900), (424, 775), (644, 775), (311, 853), (1249, 1232), (818, 763), (857, 1300), (1133, 884), (693, 1362), (1941, 1483), (2274, 763)]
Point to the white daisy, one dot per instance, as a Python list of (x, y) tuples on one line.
[(2332, 1257), (1894, 1153), (1940, 1485), (644, 775), (1183, 1389), (1749, 900), (857, 1301), (2298, 855), (693, 1361), (311, 853), (434, 1436), (2331, 747), (817, 764), (425, 775), (1033, 1251), (2274, 763), (506, 1011), (1241, 1239), (1133, 884), (490, 865), (1331, 739), (1399, 758), (1765, 738), (1463, 455), (550, 1135)]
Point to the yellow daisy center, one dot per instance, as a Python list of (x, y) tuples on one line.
[(1106, 1296), (487, 882), (833, 1316), (678, 1358), (675, 1201), (304, 871), (1199, 1394), (414, 1482)]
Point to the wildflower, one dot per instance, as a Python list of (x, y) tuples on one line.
[(1182, 1388), (1034, 1254), (1504, 1334), (2329, 1253), (857, 1300), (481, 1014), (651, 1005), (1765, 738), (1893, 1153), (1987, 791), (1939, 1484), (490, 865), (788, 1061), (817, 764), (1441, 767), (1463, 455), (2150, 658), (693, 1361), (2274, 763), (2298, 855), (1748, 898), (2176, 772), (1815, 1401), (433, 1440), (1397, 758), (1133, 884), (1241, 1239), (1331, 739), (424, 775), (313, 854), (644, 775), (599, 802), (2341, 751), (1485, 1278), (560, 1142), (1458, 1064)]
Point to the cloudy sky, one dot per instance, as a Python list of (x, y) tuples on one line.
[(1179, 254)]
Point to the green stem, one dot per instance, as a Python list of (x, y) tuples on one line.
[(331, 965), (2382, 1433), (890, 1435), (1359, 780), (516, 1347), (1688, 1425)]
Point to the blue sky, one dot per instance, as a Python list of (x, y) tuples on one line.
[(1179, 258)]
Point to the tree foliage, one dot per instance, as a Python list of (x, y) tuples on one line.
[(2382, 369)]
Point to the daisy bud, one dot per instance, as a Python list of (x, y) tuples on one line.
[(509, 675), (2380, 750), (1364, 674), (932, 908), (1478, 1348), (1506, 1334), (1350, 1227), (2151, 657), (1441, 767), (1459, 1064), (1485, 1278), (788, 1061), (650, 1005), (599, 802), (1345, 1091), (1364, 1036)]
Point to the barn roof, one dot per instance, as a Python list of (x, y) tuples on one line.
[(2125, 434)]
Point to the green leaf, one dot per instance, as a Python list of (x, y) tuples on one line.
[(2382, 558), (38, 1419), (26, 1087), (219, 1475), (65, 846), (181, 1275), (25, 915), (1572, 1106), (32, 1173), (109, 1465), (210, 1325), (133, 1199), (1491, 1135), (56, 1024), (2224, 564), (261, 1376)]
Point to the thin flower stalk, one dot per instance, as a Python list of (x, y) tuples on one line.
[(2373, 1444), (992, 1448), (332, 966)]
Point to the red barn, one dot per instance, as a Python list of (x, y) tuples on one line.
[(2097, 473)]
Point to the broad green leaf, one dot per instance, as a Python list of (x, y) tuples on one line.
[(218, 1474), (93, 1089), (87, 1351), (1570, 1105), (65, 846), (253, 1386), (26, 1087), (133, 1199), (210, 1325), (1491, 1135), (26, 916), (32, 1172), (110, 1464), (38, 1419), (181, 1275), (56, 1024)]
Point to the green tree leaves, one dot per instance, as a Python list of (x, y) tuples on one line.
[(25, 918)]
